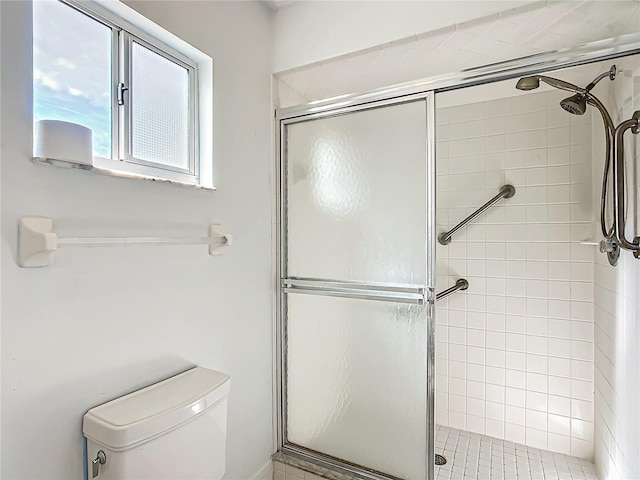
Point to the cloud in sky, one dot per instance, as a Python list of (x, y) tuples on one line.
[(72, 70)]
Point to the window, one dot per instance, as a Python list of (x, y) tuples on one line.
[(138, 93)]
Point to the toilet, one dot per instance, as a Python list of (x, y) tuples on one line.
[(174, 429)]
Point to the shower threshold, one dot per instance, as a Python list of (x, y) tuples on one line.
[(471, 456)]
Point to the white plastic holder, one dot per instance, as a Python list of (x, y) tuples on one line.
[(37, 242)]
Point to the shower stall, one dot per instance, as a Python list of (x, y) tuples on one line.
[(446, 255)]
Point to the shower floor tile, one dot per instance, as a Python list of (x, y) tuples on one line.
[(471, 456)]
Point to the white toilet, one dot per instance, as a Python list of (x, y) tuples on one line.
[(172, 430)]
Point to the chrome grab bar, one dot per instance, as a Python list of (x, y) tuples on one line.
[(619, 184), (506, 191), (461, 284)]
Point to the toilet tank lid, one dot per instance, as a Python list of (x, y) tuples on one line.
[(156, 409)]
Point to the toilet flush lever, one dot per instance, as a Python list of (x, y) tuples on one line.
[(101, 459)]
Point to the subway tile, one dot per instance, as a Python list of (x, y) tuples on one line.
[(537, 363), (476, 389), (536, 419), (581, 429), (495, 410), (519, 340), (515, 323), (581, 370), (559, 308), (495, 358), (559, 405), (581, 448), (559, 443), (582, 390), (457, 388), (536, 438), (559, 425), (515, 433), (560, 367), (536, 401), (494, 428), (516, 360), (582, 350), (516, 379), (495, 340), (560, 328), (582, 409), (559, 136), (537, 382), (560, 386)]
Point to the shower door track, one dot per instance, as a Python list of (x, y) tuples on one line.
[(601, 50), (585, 53)]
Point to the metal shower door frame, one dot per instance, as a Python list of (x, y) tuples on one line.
[(416, 294)]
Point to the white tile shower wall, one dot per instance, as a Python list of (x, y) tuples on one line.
[(515, 351), (617, 329)]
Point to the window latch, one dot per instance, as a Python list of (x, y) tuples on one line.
[(121, 90)]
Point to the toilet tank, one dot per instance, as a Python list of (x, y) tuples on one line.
[(174, 429)]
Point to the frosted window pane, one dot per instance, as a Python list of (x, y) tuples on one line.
[(356, 381), (356, 189), (160, 109), (72, 70)]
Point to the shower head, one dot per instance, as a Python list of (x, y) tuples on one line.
[(528, 83), (575, 104), (533, 82)]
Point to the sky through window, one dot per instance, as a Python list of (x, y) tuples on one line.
[(72, 70)]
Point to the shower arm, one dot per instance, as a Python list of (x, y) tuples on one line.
[(618, 183)]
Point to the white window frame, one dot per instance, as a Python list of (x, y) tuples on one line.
[(126, 111), (128, 26)]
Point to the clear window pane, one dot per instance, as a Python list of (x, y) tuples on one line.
[(72, 70), (160, 109)]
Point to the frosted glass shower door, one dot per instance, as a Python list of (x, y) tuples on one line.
[(354, 278)]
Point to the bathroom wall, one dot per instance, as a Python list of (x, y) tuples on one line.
[(617, 310), (515, 351), (101, 322)]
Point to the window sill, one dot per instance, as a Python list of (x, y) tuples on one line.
[(114, 173)]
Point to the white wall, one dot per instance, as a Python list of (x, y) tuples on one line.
[(101, 322), (515, 351), (617, 312), (311, 31)]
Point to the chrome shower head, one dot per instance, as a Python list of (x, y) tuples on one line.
[(533, 82), (575, 104), (528, 83)]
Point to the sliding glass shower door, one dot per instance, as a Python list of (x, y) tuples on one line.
[(356, 288)]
